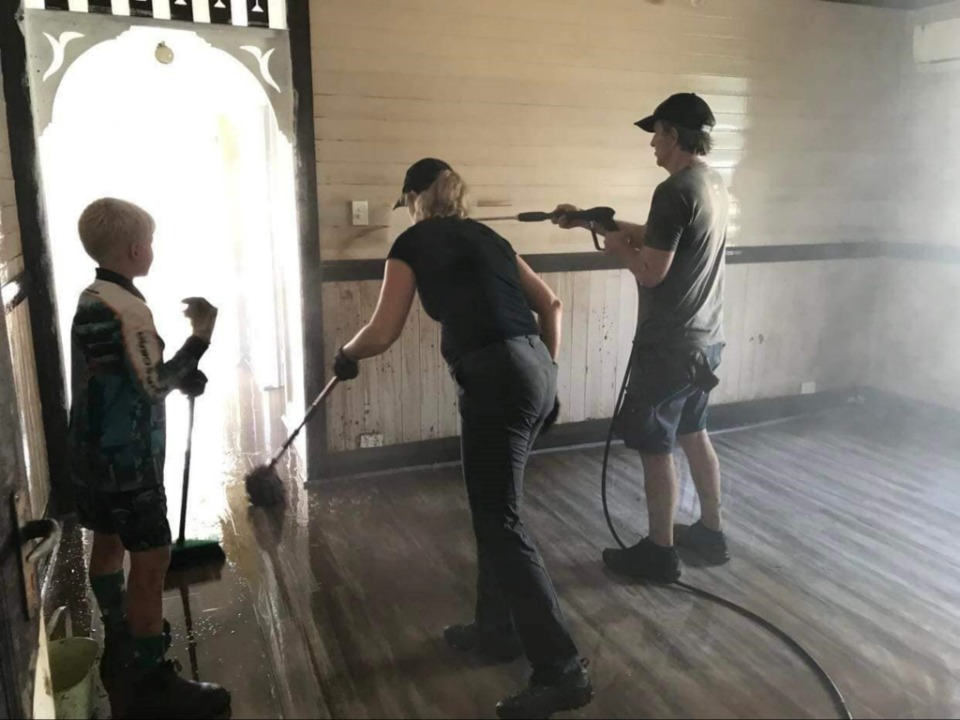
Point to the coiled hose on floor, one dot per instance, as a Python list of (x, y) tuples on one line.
[(831, 687)]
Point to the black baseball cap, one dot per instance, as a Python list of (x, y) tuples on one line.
[(686, 110), (420, 176)]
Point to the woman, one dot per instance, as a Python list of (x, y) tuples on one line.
[(473, 283)]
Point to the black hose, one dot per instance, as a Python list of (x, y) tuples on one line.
[(606, 452), (835, 695), (822, 675)]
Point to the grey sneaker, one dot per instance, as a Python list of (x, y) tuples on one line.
[(709, 544), (645, 561)]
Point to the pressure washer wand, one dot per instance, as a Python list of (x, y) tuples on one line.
[(602, 216), (522, 217)]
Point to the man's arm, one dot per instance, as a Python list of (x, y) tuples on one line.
[(635, 231), (633, 234), (649, 266)]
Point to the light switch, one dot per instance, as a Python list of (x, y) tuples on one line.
[(360, 212)]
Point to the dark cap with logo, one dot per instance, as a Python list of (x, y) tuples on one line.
[(685, 110), (420, 176)]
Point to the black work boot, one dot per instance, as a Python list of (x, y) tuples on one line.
[(709, 544), (116, 663), (572, 691), (162, 693), (118, 647), (488, 647), (645, 561)]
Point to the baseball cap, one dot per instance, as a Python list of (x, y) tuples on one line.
[(420, 176), (686, 110)]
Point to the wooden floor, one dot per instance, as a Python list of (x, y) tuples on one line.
[(843, 530)]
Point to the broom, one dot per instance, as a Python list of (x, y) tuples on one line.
[(264, 486), (191, 553)]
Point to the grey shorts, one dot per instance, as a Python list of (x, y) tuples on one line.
[(666, 398)]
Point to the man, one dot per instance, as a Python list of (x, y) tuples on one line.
[(678, 260)]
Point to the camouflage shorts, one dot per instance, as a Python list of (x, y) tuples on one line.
[(139, 517)]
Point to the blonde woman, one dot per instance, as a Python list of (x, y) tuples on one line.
[(482, 293)]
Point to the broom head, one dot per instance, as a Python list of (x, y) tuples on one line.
[(265, 488)]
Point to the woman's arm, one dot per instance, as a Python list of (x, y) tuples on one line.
[(396, 297), (545, 303)]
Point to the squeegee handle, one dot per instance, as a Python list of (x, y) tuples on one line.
[(310, 413), (181, 538)]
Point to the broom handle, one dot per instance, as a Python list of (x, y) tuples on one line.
[(313, 408), (186, 478)]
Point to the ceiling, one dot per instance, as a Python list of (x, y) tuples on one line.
[(901, 4)]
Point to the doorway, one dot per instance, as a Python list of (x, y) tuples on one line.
[(163, 118)]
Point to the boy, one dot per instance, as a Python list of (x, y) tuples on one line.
[(117, 441)]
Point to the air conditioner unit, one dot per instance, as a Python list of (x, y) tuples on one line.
[(937, 43)]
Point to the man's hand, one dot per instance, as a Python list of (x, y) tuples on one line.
[(559, 217), (345, 367), (193, 384), (202, 316)]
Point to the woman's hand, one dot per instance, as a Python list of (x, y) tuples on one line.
[(345, 367)]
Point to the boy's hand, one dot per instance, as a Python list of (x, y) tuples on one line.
[(202, 316)]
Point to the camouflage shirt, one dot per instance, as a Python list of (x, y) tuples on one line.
[(119, 382)]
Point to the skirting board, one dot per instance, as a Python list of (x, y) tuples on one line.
[(893, 407), (590, 432)]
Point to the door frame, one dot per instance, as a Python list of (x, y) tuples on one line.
[(19, 633), (308, 208), (36, 255), (28, 185)]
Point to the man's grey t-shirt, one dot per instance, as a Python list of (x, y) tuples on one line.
[(688, 216)]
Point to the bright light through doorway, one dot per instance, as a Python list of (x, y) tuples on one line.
[(196, 143)]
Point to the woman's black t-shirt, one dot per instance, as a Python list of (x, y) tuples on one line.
[(468, 281)]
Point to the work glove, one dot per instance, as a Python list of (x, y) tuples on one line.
[(202, 316), (193, 384), (551, 418), (345, 367)]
